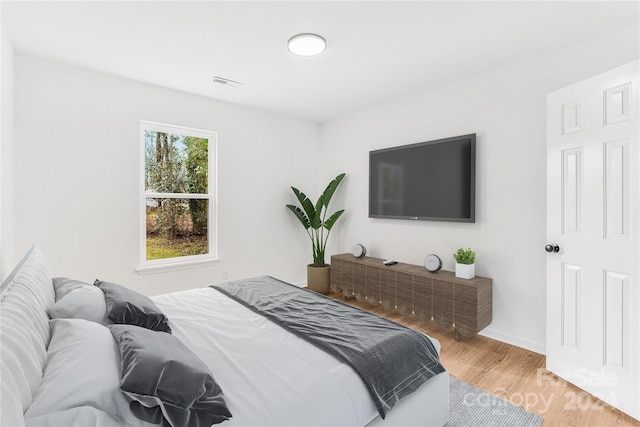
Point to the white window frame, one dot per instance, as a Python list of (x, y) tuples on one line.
[(187, 261)]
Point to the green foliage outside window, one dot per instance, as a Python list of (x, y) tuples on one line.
[(176, 164)]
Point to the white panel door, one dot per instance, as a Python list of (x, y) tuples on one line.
[(593, 221)]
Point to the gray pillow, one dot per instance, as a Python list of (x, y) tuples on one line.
[(125, 306), (84, 302), (164, 382)]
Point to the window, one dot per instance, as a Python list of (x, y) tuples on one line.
[(178, 204)]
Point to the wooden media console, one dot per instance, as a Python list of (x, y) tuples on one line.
[(411, 289)]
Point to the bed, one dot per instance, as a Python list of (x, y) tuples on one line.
[(68, 368)]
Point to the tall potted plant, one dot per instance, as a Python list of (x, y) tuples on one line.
[(314, 220)]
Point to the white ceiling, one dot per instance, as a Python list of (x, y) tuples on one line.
[(376, 49)]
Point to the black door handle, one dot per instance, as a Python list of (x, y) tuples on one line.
[(552, 248)]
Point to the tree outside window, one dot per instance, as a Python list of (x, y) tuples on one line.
[(177, 193)]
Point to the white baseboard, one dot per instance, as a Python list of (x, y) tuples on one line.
[(514, 340)]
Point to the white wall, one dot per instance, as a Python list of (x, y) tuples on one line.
[(77, 169), (506, 109), (7, 256)]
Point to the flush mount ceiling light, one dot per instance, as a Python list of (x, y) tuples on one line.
[(306, 44)]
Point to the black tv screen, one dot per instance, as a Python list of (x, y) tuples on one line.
[(431, 181)]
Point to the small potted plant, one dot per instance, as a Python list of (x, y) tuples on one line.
[(465, 263), (318, 226)]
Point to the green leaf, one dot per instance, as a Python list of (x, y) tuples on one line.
[(465, 256), (308, 207), (301, 216), (318, 207), (331, 188), (332, 219)]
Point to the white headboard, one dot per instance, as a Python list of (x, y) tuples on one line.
[(24, 334)]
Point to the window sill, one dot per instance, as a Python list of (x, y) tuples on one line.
[(175, 266)]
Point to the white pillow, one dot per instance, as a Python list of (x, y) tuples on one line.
[(80, 416), (84, 302), (83, 369), (64, 285)]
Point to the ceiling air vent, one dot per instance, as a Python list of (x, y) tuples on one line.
[(226, 82)]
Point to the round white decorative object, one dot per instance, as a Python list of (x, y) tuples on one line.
[(359, 251), (432, 262)]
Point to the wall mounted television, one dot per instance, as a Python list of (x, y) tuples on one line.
[(430, 181)]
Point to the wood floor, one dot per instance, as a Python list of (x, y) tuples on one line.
[(512, 373)]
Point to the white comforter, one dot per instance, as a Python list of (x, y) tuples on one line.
[(300, 385)]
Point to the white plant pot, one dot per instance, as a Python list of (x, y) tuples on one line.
[(465, 271)]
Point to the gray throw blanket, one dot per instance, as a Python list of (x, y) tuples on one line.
[(392, 360)]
